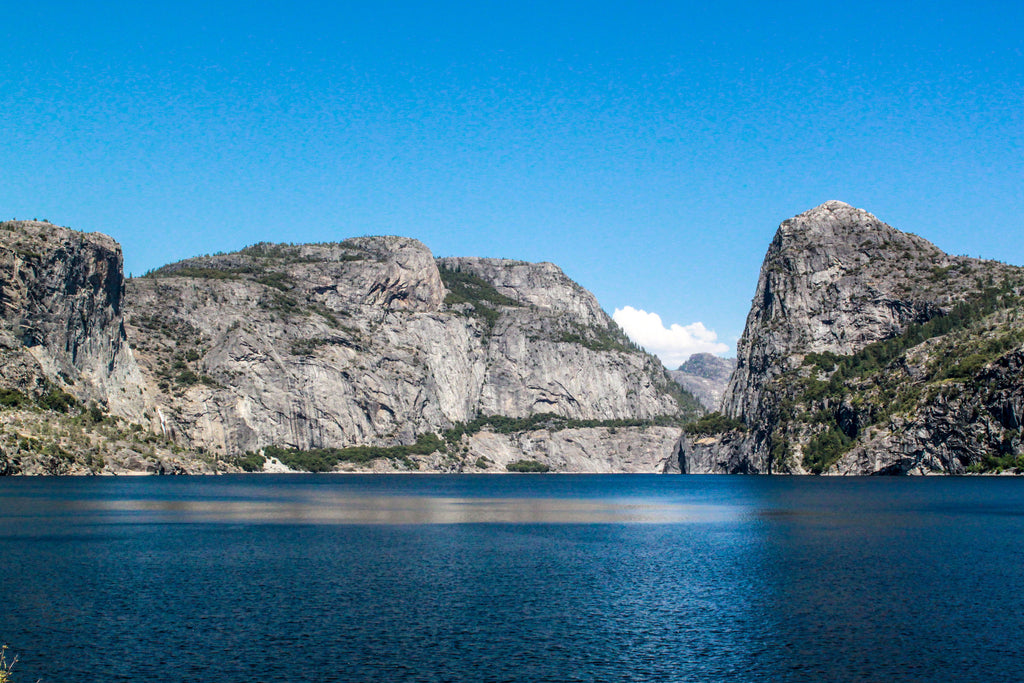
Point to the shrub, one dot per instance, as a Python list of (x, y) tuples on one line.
[(187, 378), (826, 448), (277, 280), (95, 413), (502, 424), (251, 462), (5, 666), (194, 272), (714, 423), (57, 401), (12, 398), (481, 295), (597, 338), (527, 466), (325, 459)]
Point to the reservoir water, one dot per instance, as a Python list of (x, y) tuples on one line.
[(512, 578)]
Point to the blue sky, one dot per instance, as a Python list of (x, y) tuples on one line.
[(650, 149)]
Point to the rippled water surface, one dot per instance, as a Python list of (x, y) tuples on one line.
[(512, 578)]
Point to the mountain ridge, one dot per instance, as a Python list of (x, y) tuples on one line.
[(840, 364), (367, 350), (866, 351)]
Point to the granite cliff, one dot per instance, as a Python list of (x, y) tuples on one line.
[(866, 350), (368, 354), (869, 350), (61, 327), (372, 342), (69, 385), (706, 376)]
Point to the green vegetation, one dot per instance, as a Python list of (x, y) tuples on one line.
[(292, 253), (527, 466), (270, 250), (689, 407), (597, 338), (779, 452), (94, 413), (998, 463), (251, 462), (983, 351), (307, 347), (467, 288), (329, 316), (181, 373), (187, 378), (876, 356), (275, 254), (199, 273), (281, 281), (325, 459), (56, 434), (53, 399), (714, 423), (12, 398), (874, 384), (280, 303), (825, 449), (5, 666), (549, 421)]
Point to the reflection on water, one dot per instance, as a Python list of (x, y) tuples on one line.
[(392, 510), (414, 510), (356, 500)]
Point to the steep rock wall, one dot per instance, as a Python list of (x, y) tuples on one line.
[(837, 282), (706, 377), (362, 342), (61, 299)]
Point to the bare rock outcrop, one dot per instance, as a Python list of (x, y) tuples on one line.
[(372, 341), (639, 450), (706, 376), (835, 279), (61, 301), (961, 426), (857, 338)]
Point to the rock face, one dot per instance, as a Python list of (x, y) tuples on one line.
[(641, 450), (372, 341), (706, 376), (844, 305), (62, 298), (69, 384), (967, 423), (835, 279), (722, 453)]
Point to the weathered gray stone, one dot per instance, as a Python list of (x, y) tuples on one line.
[(353, 344), (649, 450), (836, 279), (61, 309), (706, 376)]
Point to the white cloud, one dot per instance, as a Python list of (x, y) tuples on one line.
[(673, 344)]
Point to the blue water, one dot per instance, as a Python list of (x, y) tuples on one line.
[(512, 578)]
